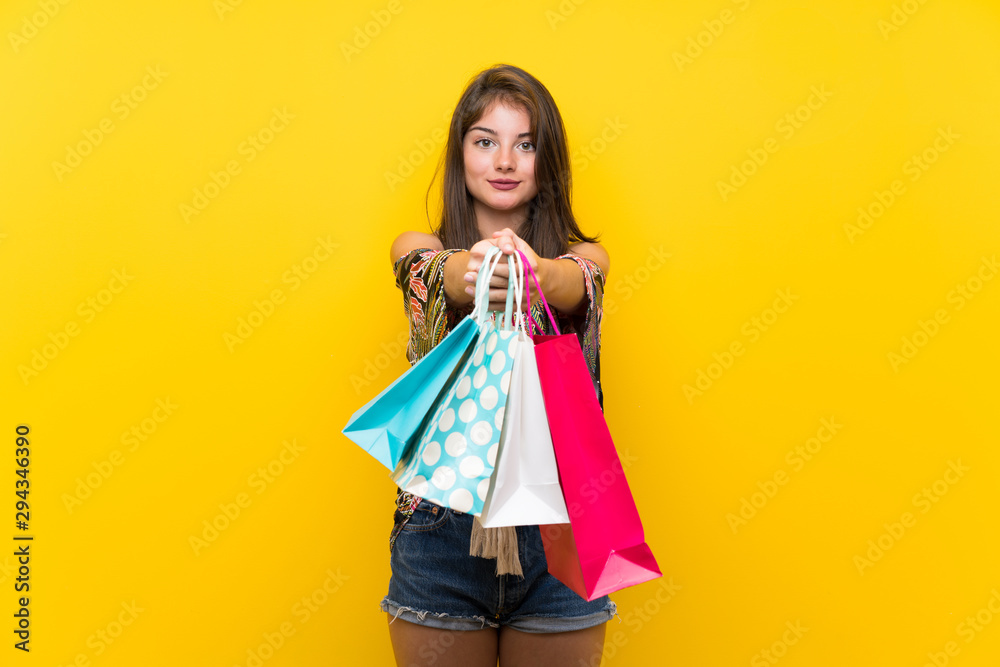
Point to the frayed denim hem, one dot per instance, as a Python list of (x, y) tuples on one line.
[(436, 619), (548, 623)]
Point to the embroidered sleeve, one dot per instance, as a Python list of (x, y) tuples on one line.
[(420, 276)]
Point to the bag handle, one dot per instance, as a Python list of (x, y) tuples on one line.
[(515, 289), (521, 317), (531, 319), (481, 309)]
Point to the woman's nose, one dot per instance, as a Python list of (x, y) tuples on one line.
[(505, 159)]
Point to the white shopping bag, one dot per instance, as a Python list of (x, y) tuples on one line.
[(524, 489)]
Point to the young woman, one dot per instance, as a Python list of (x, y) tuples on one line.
[(506, 183)]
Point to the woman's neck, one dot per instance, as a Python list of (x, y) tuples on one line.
[(491, 220)]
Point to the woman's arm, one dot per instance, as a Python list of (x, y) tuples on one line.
[(561, 280), (455, 266)]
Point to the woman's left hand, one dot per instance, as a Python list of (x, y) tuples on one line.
[(508, 242)]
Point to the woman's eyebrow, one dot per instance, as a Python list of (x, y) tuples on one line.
[(486, 129)]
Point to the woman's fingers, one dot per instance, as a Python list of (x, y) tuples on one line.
[(502, 271), (500, 278), (497, 288), (505, 240), (477, 254)]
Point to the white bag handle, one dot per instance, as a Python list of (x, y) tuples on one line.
[(481, 309), (518, 284), (515, 292)]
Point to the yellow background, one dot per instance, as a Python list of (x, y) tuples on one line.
[(896, 75)]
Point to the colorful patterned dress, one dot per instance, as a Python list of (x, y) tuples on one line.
[(420, 277)]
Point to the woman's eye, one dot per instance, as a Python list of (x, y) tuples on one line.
[(484, 143)]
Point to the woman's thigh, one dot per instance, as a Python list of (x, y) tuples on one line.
[(418, 645), (551, 649)]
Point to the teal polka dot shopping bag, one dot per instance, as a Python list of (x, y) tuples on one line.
[(454, 458)]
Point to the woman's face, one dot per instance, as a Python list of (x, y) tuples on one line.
[(500, 160)]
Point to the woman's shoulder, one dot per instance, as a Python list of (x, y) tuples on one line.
[(408, 241), (594, 252)]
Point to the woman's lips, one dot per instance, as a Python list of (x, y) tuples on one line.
[(504, 185)]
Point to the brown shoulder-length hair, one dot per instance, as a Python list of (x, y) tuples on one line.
[(550, 225)]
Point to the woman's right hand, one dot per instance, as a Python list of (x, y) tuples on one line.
[(499, 280)]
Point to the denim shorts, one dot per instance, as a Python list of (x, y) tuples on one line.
[(436, 583)]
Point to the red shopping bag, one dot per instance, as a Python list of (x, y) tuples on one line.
[(603, 549)]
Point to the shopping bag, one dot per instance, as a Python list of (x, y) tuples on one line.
[(524, 489), (390, 423), (453, 459), (603, 548)]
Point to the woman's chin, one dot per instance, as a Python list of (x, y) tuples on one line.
[(505, 204)]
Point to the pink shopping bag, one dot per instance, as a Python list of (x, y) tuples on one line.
[(603, 549)]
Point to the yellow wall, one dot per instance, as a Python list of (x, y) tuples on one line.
[(170, 169)]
